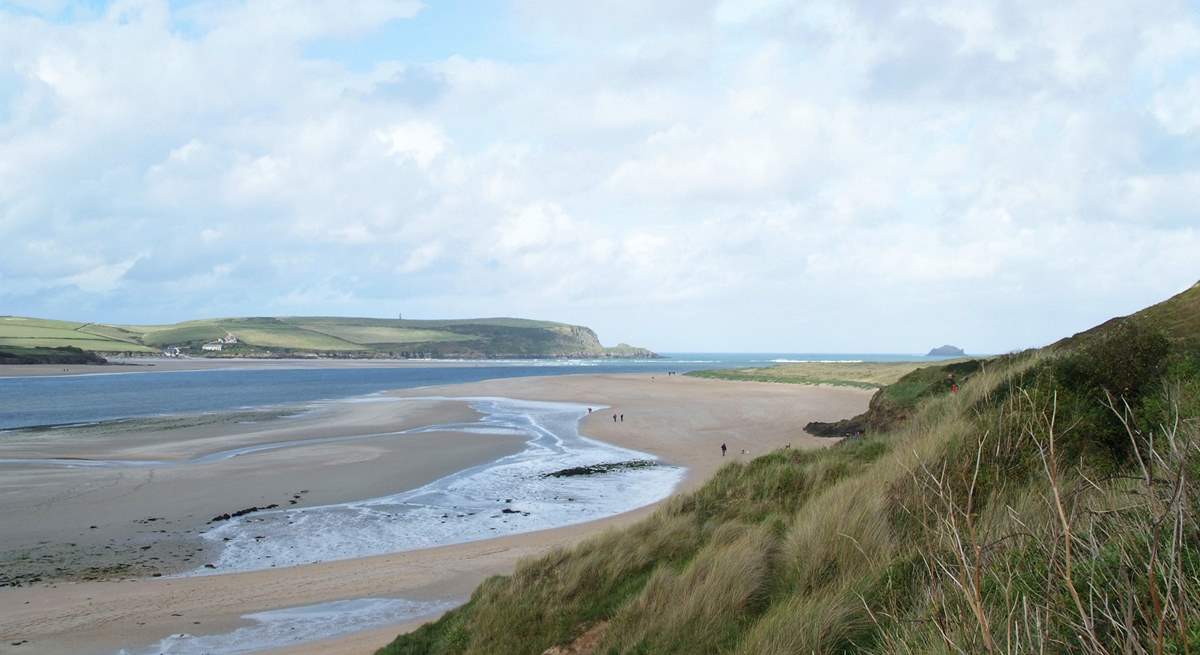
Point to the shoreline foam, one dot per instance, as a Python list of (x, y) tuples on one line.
[(504, 497), (297, 625)]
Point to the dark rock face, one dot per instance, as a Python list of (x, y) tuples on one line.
[(946, 351), (849, 427), (596, 469), (241, 512), (879, 417)]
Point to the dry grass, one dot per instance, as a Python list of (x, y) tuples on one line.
[(968, 530), (704, 603), (1071, 563)]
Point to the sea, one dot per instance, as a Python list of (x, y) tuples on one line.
[(49, 401)]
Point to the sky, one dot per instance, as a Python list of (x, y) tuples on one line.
[(685, 175)]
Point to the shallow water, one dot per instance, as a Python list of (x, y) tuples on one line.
[(507, 496), (296, 625)]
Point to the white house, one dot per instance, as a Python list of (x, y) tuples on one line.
[(213, 345)]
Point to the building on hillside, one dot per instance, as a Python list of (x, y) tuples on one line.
[(213, 345), (228, 339), (172, 351)]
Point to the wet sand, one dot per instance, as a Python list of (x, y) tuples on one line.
[(680, 419), (122, 522)]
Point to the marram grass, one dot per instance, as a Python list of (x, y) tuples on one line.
[(1033, 512)]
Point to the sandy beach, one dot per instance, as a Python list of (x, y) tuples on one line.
[(681, 420)]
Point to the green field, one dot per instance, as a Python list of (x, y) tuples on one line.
[(372, 334), (90, 344), (190, 332), (321, 335), (866, 375), (290, 337), (111, 332), (17, 321), (37, 333)]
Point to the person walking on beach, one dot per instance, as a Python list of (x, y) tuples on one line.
[(722, 450), (622, 418), (614, 418)]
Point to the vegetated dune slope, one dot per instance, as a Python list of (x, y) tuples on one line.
[(1048, 506)]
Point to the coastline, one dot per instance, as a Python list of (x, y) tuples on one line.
[(681, 420), (123, 365)]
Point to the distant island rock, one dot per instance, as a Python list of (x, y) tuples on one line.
[(946, 351)]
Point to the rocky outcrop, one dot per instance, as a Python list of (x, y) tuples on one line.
[(626, 351), (596, 469), (946, 351)]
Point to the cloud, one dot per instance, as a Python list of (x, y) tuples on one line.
[(1177, 106), (419, 141), (102, 278), (421, 258), (749, 168), (286, 20)]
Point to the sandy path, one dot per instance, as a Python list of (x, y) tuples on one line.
[(682, 420)]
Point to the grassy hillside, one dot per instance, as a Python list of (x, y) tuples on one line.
[(1048, 507), (59, 355), (1178, 318), (21, 332), (324, 336)]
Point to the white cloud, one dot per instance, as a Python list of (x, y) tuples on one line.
[(40, 6), (1177, 107), (751, 166), (102, 278), (420, 258), (419, 141), (296, 19)]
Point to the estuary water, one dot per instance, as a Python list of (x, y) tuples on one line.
[(72, 399)]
